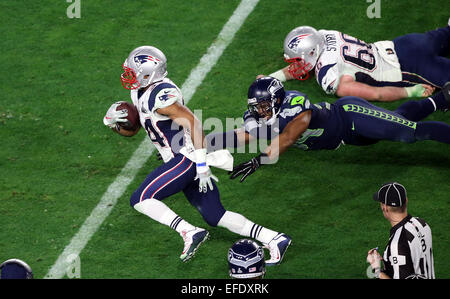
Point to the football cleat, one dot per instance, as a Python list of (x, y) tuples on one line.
[(192, 241), (277, 248), (446, 92)]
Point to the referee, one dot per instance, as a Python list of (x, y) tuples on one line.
[(409, 252)]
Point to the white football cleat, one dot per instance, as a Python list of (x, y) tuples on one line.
[(192, 240), (277, 247)]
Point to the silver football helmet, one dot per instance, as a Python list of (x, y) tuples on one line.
[(144, 65), (302, 48)]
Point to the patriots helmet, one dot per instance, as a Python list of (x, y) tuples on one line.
[(144, 65), (15, 269), (264, 98), (302, 48), (246, 260)]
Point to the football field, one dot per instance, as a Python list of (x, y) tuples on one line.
[(66, 179)]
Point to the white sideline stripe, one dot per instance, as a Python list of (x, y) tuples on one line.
[(143, 152)]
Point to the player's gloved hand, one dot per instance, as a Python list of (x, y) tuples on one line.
[(419, 90), (112, 116), (374, 259), (204, 174), (247, 168)]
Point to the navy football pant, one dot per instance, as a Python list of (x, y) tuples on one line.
[(422, 56), (367, 123), (175, 176)]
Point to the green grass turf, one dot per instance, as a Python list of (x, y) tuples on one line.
[(60, 75)]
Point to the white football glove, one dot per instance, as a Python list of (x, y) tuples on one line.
[(113, 116), (204, 174)]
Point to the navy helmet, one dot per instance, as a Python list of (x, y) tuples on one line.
[(15, 269), (264, 98), (246, 260)]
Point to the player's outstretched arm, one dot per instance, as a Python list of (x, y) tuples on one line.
[(279, 145), (229, 139), (282, 75), (349, 87), (290, 134)]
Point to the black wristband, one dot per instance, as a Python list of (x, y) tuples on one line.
[(258, 158)]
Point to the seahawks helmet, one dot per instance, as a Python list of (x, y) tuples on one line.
[(15, 269), (264, 98), (143, 66), (246, 260), (302, 48)]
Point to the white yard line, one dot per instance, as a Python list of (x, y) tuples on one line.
[(143, 152)]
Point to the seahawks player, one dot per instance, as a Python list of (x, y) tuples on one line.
[(178, 136), (412, 65), (288, 118)]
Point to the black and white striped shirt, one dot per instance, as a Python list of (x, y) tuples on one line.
[(409, 253)]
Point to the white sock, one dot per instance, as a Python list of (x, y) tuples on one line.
[(240, 225), (158, 211)]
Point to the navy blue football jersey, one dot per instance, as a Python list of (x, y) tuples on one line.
[(324, 130)]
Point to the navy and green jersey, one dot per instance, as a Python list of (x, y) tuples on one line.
[(353, 120), (324, 130)]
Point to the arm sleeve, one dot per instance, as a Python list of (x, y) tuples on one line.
[(328, 78), (166, 97)]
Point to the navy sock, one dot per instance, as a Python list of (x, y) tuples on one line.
[(433, 130), (416, 110)]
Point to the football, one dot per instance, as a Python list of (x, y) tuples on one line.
[(133, 116)]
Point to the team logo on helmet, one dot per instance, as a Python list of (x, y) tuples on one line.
[(141, 59), (293, 43), (274, 86)]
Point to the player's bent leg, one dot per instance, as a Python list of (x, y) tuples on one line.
[(166, 180), (422, 56), (207, 204), (375, 123)]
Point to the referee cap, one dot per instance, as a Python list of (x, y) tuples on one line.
[(392, 194)]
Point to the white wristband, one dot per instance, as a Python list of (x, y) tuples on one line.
[(279, 75), (200, 156)]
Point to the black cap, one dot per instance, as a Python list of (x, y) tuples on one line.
[(391, 194)]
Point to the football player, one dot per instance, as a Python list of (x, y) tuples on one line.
[(288, 118), (178, 136), (412, 65)]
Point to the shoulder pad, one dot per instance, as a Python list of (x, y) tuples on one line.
[(163, 95), (296, 98)]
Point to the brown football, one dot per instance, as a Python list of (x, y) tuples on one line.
[(133, 116)]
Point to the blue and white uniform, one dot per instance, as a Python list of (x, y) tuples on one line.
[(165, 134), (405, 61), (178, 172)]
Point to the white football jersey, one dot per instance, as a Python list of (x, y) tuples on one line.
[(165, 134), (346, 55)]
